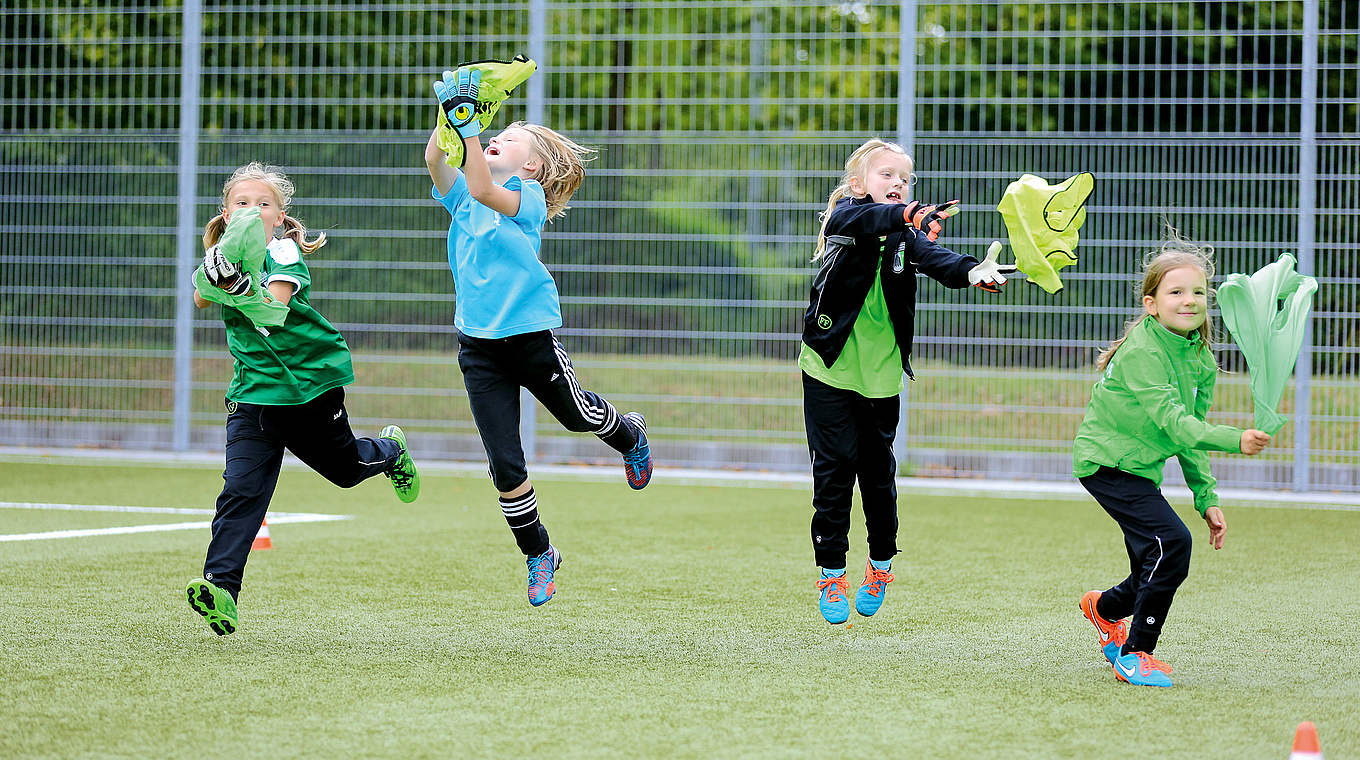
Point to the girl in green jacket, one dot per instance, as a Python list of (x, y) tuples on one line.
[(1148, 406)]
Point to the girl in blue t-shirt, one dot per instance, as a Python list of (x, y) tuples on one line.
[(507, 308)]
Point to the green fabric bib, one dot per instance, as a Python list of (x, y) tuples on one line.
[(244, 243), (499, 78), (1042, 222), (1266, 314)]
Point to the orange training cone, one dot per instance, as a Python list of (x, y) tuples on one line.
[(1306, 746), (262, 538)]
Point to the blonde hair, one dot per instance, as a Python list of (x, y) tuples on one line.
[(561, 165), (856, 167), (1174, 253), (277, 181)]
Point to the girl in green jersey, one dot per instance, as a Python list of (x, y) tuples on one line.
[(287, 387), (1148, 406)]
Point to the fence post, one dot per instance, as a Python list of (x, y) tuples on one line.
[(538, 50), (1303, 370), (906, 137), (187, 250)]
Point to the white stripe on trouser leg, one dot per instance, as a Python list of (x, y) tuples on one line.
[(1158, 563), (603, 418)]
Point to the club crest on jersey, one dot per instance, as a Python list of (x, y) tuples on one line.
[(899, 262), (824, 321)]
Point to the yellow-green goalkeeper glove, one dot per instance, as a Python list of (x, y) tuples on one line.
[(496, 80)]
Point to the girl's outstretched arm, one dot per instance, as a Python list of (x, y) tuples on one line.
[(480, 184), (443, 175)]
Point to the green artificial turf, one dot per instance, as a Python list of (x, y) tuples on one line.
[(685, 625)]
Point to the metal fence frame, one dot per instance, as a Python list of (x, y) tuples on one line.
[(770, 227)]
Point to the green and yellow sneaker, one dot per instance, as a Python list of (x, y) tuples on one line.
[(215, 604), (405, 479)]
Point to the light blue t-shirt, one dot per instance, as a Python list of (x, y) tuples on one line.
[(502, 288)]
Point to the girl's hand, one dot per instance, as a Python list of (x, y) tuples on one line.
[(1218, 527), (1254, 441)]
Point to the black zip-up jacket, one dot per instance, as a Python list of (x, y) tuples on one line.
[(860, 236)]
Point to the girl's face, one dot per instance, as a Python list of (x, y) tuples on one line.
[(1181, 302), (511, 152), (888, 179), (253, 192)]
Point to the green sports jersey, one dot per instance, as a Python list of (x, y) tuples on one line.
[(1150, 406), (293, 363), (871, 362)]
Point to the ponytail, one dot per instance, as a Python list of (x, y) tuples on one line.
[(842, 191), (293, 229)]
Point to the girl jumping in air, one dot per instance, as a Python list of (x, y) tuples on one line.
[(857, 334), (287, 388), (1149, 405), (507, 308)]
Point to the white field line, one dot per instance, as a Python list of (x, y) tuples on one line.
[(278, 518)]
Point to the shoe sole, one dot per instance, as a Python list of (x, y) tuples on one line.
[(1120, 677), (202, 601)]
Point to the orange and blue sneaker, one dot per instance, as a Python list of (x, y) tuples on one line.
[(833, 599), (215, 604), (869, 597), (541, 569), (637, 461), (1112, 635), (1142, 669)]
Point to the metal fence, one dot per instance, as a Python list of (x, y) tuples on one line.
[(683, 266)]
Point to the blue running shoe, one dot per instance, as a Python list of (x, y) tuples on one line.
[(1142, 669), (870, 595), (637, 462), (541, 569), (834, 601)]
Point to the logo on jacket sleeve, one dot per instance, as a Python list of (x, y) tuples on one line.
[(824, 321), (899, 258)]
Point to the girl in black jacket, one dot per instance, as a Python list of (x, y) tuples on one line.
[(857, 335)]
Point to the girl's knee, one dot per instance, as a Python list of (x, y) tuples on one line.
[(1176, 547)]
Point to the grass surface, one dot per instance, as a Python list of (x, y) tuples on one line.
[(685, 625)]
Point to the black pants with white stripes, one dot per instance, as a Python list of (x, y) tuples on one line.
[(850, 438), (318, 433), (1158, 544), (494, 369)]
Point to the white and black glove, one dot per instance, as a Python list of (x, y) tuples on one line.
[(988, 275), (225, 274)]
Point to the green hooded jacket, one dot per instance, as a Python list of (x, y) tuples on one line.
[(1149, 406)]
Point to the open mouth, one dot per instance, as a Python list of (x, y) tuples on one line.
[(492, 150), (894, 197)]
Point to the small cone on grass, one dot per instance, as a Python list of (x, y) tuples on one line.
[(262, 538), (1306, 746)]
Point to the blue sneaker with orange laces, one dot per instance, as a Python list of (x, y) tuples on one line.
[(1112, 635), (869, 596), (833, 600), (541, 569), (637, 461), (1142, 669)]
